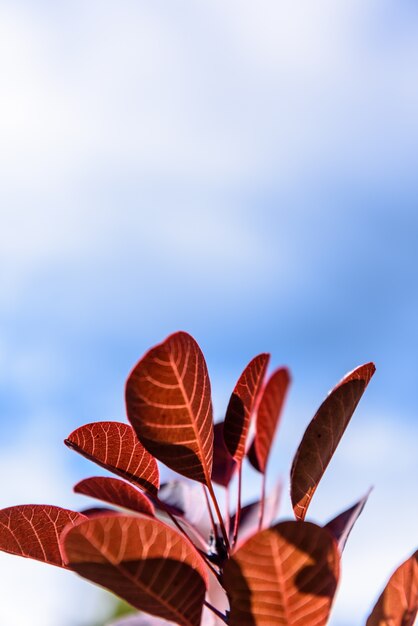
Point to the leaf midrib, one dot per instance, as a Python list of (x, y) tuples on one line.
[(193, 419)]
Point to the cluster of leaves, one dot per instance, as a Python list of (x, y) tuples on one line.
[(174, 555)]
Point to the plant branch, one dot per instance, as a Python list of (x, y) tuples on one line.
[(228, 512), (212, 521), (219, 516), (216, 611), (262, 503), (238, 511)]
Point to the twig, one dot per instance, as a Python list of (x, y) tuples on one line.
[(216, 611), (238, 511)]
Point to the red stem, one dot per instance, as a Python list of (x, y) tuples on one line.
[(181, 529), (216, 612), (219, 516), (228, 512), (263, 499), (238, 511), (212, 520)]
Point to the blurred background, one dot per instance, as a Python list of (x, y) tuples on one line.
[(244, 171)]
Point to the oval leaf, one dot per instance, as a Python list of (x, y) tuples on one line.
[(33, 530), (94, 511), (342, 525), (114, 446), (242, 404), (169, 404), (268, 415), (115, 492), (143, 561), (284, 575), (323, 435), (223, 464), (398, 604)]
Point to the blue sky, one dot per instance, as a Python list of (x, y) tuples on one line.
[(243, 171)]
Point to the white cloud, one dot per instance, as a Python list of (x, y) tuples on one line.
[(222, 97)]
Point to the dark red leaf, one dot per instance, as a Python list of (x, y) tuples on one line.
[(342, 525), (150, 620), (323, 435), (94, 511), (268, 415), (33, 530), (284, 575), (223, 464), (242, 404), (116, 492), (169, 404), (142, 560), (141, 620), (398, 604), (114, 446)]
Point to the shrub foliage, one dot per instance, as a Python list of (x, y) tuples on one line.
[(174, 551)]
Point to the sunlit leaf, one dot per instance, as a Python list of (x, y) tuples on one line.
[(114, 446), (398, 604), (223, 464), (169, 404), (116, 492), (242, 404), (323, 435), (342, 525), (284, 575), (143, 561), (33, 530), (268, 415)]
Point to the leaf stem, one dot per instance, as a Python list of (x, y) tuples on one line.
[(167, 511), (238, 511), (187, 536), (216, 611), (219, 515), (228, 512), (262, 503), (212, 521)]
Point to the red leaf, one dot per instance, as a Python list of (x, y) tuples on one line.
[(284, 575), (142, 560), (149, 620), (114, 446), (33, 530), (116, 492), (398, 604), (242, 404), (342, 525), (223, 464), (268, 415), (169, 405), (94, 511), (323, 435)]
